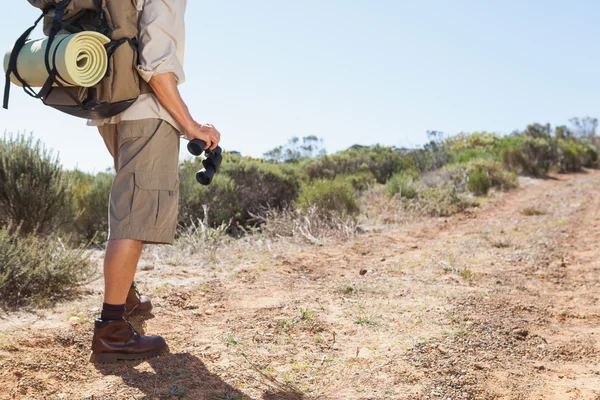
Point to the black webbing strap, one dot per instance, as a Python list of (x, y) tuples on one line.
[(55, 78), (12, 63), (59, 10)]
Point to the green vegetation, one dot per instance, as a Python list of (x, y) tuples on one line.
[(295, 189), (330, 197), (36, 270), (34, 191), (404, 184)]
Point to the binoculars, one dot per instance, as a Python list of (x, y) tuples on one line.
[(211, 163)]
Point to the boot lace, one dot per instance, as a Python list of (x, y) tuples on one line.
[(135, 333)]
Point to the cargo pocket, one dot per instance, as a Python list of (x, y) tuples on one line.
[(155, 200), (122, 81)]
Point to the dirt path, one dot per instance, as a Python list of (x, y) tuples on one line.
[(494, 304)]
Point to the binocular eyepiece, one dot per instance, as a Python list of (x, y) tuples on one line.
[(211, 163)]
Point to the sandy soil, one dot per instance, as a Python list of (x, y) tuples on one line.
[(493, 304)]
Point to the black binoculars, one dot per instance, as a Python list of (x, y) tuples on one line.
[(211, 163)]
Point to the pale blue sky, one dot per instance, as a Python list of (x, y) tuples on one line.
[(366, 72)]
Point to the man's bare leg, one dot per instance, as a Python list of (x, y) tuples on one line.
[(120, 264), (114, 339)]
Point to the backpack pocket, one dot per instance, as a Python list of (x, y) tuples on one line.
[(122, 81), (65, 96)]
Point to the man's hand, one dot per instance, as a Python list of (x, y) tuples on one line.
[(204, 132)]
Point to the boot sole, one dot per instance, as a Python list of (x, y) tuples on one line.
[(110, 358)]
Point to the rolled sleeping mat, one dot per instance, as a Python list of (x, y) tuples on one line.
[(80, 59)]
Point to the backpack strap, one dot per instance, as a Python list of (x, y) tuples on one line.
[(12, 63)]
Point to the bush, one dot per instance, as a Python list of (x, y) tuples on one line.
[(482, 173), (34, 191), (259, 186), (219, 199), (404, 184), (361, 182), (573, 155), (528, 155), (335, 198), (243, 188), (91, 196), (381, 162), (34, 270), (479, 182)]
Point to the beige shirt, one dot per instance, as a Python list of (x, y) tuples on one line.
[(161, 49)]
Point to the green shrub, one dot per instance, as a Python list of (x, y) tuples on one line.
[(260, 186), (479, 182), (590, 158), (34, 191), (472, 141), (499, 178), (381, 162), (242, 188), (219, 199), (91, 196), (469, 155), (34, 270), (329, 197), (572, 155), (404, 184), (529, 155), (361, 181)]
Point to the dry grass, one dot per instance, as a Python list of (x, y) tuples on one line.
[(533, 211), (312, 225)]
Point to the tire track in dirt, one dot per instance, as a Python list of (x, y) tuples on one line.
[(531, 330)]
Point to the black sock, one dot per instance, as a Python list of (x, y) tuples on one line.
[(112, 312)]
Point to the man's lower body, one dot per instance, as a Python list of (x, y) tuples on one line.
[(143, 210)]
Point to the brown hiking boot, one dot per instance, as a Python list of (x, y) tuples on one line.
[(118, 340), (135, 303)]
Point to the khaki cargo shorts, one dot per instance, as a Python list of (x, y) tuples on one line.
[(145, 193)]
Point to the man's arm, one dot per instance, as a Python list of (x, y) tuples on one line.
[(162, 32), (165, 88)]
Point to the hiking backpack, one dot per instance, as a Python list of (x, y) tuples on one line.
[(120, 87)]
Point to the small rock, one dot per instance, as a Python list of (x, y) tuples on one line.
[(147, 267), (443, 350), (363, 272), (539, 367), (520, 333), (209, 312), (479, 366)]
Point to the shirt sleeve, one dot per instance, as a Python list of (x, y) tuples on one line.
[(158, 39)]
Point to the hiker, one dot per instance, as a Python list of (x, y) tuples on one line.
[(144, 142), (141, 122)]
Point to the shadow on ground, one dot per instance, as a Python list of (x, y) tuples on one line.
[(282, 396), (175, 376)]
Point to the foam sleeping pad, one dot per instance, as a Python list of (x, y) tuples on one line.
[(81, 60)]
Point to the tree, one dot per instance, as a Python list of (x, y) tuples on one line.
[(296, 150), (538, 130), (563, 132), (584, 127)]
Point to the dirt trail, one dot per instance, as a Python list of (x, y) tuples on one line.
[(500, 303)]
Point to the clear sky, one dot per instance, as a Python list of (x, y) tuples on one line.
[(359, 72)]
